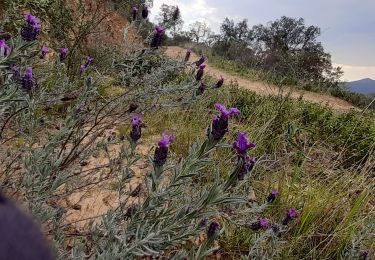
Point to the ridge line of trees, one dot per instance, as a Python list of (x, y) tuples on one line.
[(286, 47)]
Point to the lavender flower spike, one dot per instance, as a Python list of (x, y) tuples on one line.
[(291, 214), (43, 53), (262, 223), (134, 13), (63, 53), (247, 166), (31, 29), (89, 61), (137, 125), (201, 60), (220, 83), (245, 162), (203, 222), (272, 196), (15, 71), (145, 12), (202, 87), (161, 152), (220, 123), (242, 144), (213, 229), (188, 54), (28, 81), (200, 72), (82, 69), (4, 48), (85, 66), (158, 37), (364, 255)]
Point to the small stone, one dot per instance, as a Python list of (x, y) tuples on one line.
[(77, 207), (84, 163), (251, 197), (133, 107)]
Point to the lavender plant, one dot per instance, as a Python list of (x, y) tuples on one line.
[(58, 123), (43, 52)]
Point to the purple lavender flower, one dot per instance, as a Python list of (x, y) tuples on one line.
[(15, 71), (63, 53), (43, 52), (220, 83), (201, 60), (213, 229), (89, 61), (134, 13), (203, 222), (145, 12), (85, 66), (364, 255), (202, 87), (4, 48), (79, 113), (137, 125), (33, 20), (188, 54), (161, 152), (272, 196), (291, 214), (242, 144), (247, 166), (82, 69), (220, 123), (81, 110), (276, 229), (28, 81), (200, 72), (158, 37), (31, 29), (262, 223)]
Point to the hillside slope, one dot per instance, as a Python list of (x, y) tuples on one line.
[(263, 88)]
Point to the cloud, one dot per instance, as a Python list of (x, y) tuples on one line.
[(356, 72), (191, 11)]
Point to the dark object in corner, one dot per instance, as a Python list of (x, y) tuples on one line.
[(20, 238)]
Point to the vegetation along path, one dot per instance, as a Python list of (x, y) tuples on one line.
[(263, 88)]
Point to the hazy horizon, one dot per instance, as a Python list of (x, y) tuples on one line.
[(347, 25)]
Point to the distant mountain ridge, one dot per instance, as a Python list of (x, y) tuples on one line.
[(363, 86)]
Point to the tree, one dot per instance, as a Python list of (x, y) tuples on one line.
[(287, 45), (235, 32), (199, 32), (170, 17), (286, 34), (234, 42)]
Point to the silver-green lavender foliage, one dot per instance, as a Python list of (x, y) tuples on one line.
[(59, 125)]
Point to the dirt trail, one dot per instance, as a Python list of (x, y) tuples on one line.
[(265, 89)]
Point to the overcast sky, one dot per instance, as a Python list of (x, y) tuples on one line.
[(348, 26)]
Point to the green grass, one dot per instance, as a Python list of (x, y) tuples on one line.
[(319, 160)]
